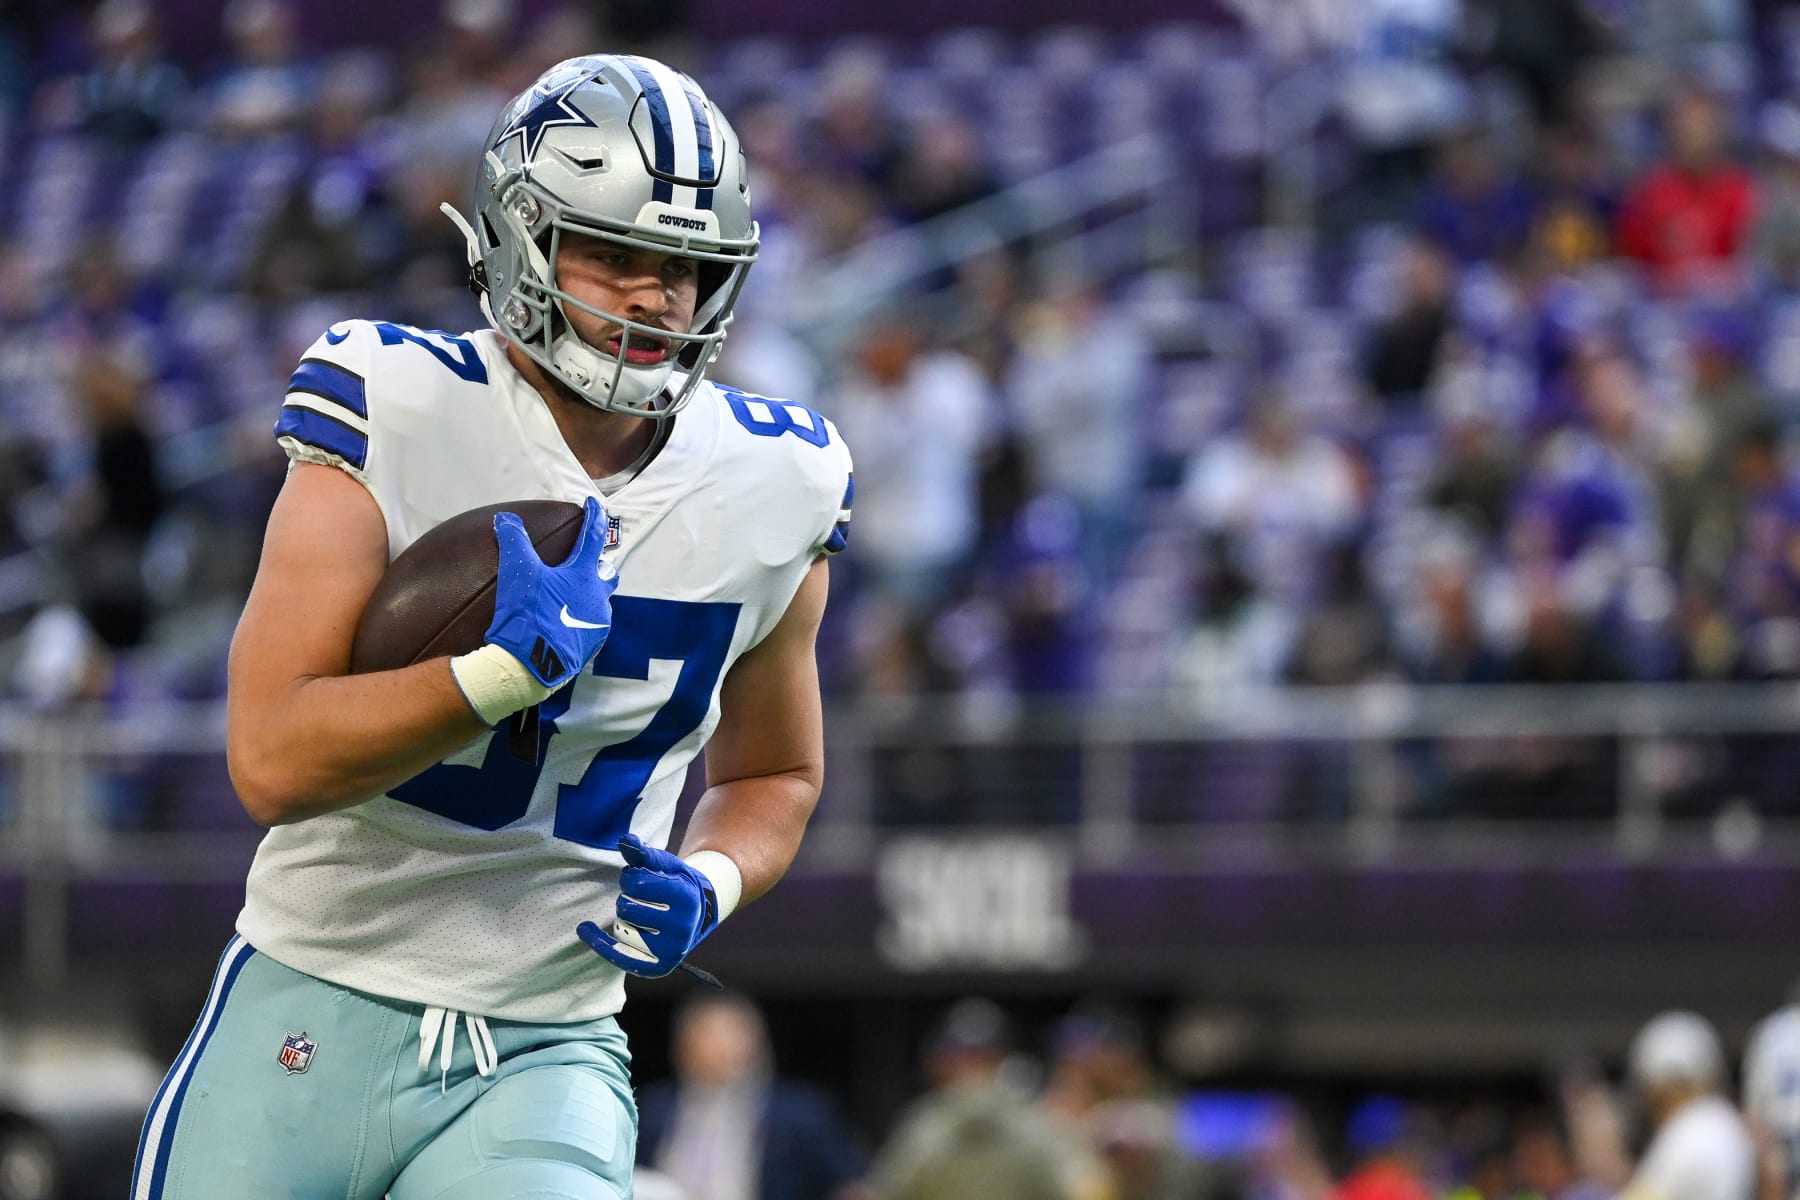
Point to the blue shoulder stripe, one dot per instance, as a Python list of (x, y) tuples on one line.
[(325, 433), (840, 538), (849, 491), (328, 381)]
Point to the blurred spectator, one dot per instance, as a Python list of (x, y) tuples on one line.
[(1279, 490), (1081, 440), (1585, 514), (1488, 1176), (1399, 91), (1542, 44), (1544, 1163), (1278, 495), (1344, 638), (1777, 234), (1103, 1087), (60, 661), (853, 131), (1039, 574), (1286, 1164), (337, 231), (1135, 1140), (1099, 1055), (1701, 1148), (1402, 353), (1391, 1142), (918, 416), (1440, 635), (112, 523), (132, 94), (1771, 1078), (1764, 587), (1689, 218), (1476, 474), (266, 86), (1577, 198), (1703, 509), (728, 1129), (1473, 205), (973, 1134), (942, 166)]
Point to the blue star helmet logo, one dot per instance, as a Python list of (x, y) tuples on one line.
[(550, 108)]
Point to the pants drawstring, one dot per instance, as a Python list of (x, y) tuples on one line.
[(438, 1031)]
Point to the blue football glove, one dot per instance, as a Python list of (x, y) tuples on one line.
[(553, 619), (667, 904)]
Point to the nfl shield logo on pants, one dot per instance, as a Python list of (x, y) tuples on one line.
[(296, 1053)]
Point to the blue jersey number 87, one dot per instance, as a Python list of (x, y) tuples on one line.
[(596, 809)]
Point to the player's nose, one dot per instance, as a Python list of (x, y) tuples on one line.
[(646, 297)]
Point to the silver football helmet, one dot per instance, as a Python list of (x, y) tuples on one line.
[(629, 150)]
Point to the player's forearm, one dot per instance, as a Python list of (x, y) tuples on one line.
[(328, 743), (756, 822)]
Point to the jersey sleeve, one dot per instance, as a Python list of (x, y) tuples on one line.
[(325, 414), (843, 472)]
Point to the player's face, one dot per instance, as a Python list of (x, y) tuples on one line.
[(648, 286)]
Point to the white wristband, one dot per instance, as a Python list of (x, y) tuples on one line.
[(496, 684), (727, 881)]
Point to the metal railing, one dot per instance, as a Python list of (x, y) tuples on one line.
[(1358, 775)]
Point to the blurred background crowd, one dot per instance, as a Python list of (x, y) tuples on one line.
[(1081, 1110), (1484, 374), (1462, 346)]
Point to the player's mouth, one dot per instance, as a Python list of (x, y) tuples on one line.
[(641, 351)]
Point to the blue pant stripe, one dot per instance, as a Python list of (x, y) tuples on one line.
[(158, 1138)]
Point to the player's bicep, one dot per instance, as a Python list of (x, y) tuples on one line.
[(770, 722), (325, 548)]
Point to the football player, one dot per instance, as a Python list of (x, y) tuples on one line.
[(420, 1000)]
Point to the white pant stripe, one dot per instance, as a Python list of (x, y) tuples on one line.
[(155, 1148)]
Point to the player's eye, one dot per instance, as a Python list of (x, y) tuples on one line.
[(680, 268)]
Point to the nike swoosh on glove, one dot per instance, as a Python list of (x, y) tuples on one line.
[(553, 619), (666, 903)]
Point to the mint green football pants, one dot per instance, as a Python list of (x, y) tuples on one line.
[(293, 1087)]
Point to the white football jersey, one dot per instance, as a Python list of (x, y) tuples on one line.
[(1703, 1152), (462, 887)]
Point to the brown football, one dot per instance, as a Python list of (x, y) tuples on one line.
[(437, 598)]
